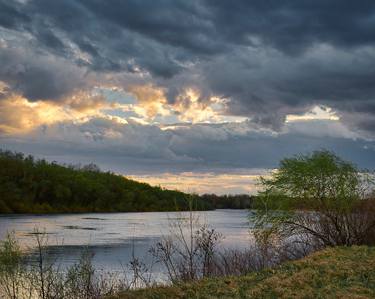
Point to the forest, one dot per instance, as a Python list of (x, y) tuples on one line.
[(229, 201), (29, 185)]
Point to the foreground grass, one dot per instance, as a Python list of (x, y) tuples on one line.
[(332, 273)]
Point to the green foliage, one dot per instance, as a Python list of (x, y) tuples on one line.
[(314, 181), (10, 254), (319, 197), (12, 272), (28, 185)]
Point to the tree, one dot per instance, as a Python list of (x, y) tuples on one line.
[(319, 198), (29, 185)]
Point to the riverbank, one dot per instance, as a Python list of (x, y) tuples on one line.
[(32, 186), (341, 272)]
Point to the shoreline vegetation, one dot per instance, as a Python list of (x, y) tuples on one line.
[(333, 272), (339, 272), (314, 237), (32, 186)]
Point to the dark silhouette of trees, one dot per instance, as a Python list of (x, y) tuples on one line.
[(28, 185), (239, 201)]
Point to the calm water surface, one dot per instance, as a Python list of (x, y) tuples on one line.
[(113, 237)]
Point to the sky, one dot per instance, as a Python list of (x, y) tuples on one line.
[(201, 96)]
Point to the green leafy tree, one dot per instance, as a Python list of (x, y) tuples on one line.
[(319, 198), (28, 185)]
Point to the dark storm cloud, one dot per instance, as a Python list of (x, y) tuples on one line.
[(117, 32), (269, 58), (293, 26), (204, 27), (207, 27), (272, 86), (11, 15), (131, 148), (39, 77)]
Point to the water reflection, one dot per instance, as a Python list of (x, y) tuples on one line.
[(112, 237)]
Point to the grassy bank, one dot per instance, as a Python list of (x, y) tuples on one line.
[(341, 272)]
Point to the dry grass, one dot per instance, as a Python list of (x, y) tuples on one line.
[(341, 272)]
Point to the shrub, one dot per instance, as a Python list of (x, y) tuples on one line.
[(12, 272), (319, 199)]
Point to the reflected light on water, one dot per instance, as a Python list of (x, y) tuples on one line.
[(111, 237)]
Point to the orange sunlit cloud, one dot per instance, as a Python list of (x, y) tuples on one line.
[(151, 101), (18, 115)]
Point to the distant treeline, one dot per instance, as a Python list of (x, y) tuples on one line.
[(28, 185), (241, 201)]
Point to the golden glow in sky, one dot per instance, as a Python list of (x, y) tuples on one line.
[(206, 182), (316, 113)]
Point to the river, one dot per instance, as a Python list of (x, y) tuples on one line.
[(114, 237)]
